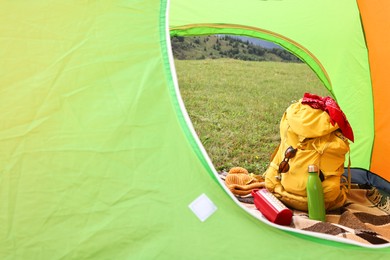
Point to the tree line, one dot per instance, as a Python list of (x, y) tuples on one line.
[(225, 46)]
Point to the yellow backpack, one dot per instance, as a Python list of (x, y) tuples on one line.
[(314, 139)]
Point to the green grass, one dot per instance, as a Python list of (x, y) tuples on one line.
[(235, 106)]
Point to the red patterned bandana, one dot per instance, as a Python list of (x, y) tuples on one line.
[(329, 105)]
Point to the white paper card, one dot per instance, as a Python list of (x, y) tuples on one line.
[(203, 207)]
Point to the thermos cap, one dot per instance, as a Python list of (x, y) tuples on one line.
[(312, 168)]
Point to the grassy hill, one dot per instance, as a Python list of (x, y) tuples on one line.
[(218, 46), (236, 106)]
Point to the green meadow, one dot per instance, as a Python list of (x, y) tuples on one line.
[(236, 106)]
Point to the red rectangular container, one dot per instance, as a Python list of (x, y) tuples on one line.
[(272, 208)]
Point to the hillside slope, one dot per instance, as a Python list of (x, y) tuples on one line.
[(219, 46)]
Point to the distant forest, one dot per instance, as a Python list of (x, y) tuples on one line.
[(224, 46)]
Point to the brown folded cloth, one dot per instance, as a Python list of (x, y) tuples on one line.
[(241, 183)]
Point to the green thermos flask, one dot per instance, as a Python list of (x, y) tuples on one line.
[(315, 195)]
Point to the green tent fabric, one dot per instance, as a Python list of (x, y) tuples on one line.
[(97, 157)]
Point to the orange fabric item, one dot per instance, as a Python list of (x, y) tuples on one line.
[(376, 24)]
